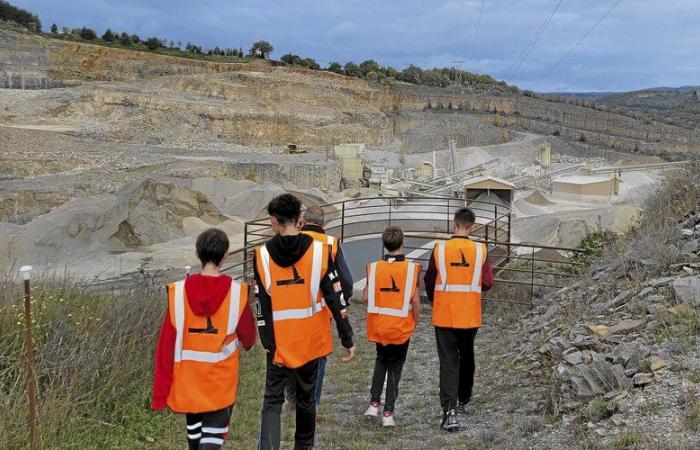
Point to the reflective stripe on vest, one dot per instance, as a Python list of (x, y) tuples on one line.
[(442, 268), (208, 357), (408, 288), (314, 285)]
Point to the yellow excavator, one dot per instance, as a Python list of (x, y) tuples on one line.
[(293, 149)]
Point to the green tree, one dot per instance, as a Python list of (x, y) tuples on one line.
[(310, 63), (108, 36), (125, 39), (153, 43), (368, 66), (88, 34), (135, 39), (261, 49), (54, 29), (291, 59), (335, 67), (412, 74), (351, 69)]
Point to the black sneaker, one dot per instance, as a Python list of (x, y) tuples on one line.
[(449, 421), (463, 408)]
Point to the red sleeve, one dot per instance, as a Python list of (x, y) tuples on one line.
[(163, 370), (246, 330), (486, 276)]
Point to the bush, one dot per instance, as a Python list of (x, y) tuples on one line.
[(88, 34), (153, 43), (596, 410), (108, 36)]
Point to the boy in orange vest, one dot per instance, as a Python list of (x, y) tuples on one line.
[(393, 310), (458, 271), (295, 276), (196, 366)]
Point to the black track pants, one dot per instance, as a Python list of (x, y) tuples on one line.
[(276, 379), (456, 352)]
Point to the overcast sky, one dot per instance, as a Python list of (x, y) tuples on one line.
[(642, 43)]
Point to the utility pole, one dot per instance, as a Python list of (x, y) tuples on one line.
[(26, 271)]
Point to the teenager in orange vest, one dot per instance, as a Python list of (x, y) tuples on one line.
[(312, 222), (295, 277), (207, 320), (457, 273), (393, 310)]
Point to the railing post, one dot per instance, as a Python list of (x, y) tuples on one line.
[(447, 217), (532, 277), (342, 223), (245, 250), (390, 211), (31, 381)]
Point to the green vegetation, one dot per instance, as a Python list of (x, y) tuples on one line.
[(19, 16), (596, 411), (692, 416), (368, 69), (628, 441), (593, 246)]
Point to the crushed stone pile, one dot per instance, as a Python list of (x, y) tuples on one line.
[(143, 213)]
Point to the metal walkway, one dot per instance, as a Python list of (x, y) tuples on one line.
[(524, 272)]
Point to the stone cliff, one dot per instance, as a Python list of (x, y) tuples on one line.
[(139, 96)]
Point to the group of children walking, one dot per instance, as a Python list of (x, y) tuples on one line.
[(301, 285)]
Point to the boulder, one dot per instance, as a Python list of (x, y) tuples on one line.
[(642, 379), (687, 290), (626, 326)]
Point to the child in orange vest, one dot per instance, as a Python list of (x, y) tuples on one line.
[(393, 310), (196, 365)]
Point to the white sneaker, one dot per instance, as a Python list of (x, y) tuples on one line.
[(373, 410), (388, 419)]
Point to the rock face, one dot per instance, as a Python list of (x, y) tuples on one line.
[(261, 105)]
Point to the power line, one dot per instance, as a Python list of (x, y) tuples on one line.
[(533, 41), (573, 47), (476, 33)]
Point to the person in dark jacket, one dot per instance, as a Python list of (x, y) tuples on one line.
[(312, 224), (279, 319)]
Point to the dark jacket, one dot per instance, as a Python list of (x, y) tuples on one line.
[(285, 251), (341, 266)]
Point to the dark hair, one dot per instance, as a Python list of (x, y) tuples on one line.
[(465, 217), (392, 238), (286, 208), (212, 246)]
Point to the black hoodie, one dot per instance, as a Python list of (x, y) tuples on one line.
[(285, 251)]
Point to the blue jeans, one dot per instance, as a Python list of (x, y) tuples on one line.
[(319, 379)]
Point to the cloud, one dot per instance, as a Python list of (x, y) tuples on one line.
[(641, 43)]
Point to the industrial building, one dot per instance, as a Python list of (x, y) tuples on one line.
[(585, 185)]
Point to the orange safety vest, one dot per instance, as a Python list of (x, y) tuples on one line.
[(302, 329), (333, 243), (327, 238), (205, 372), (390, 287), (457, 297)]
